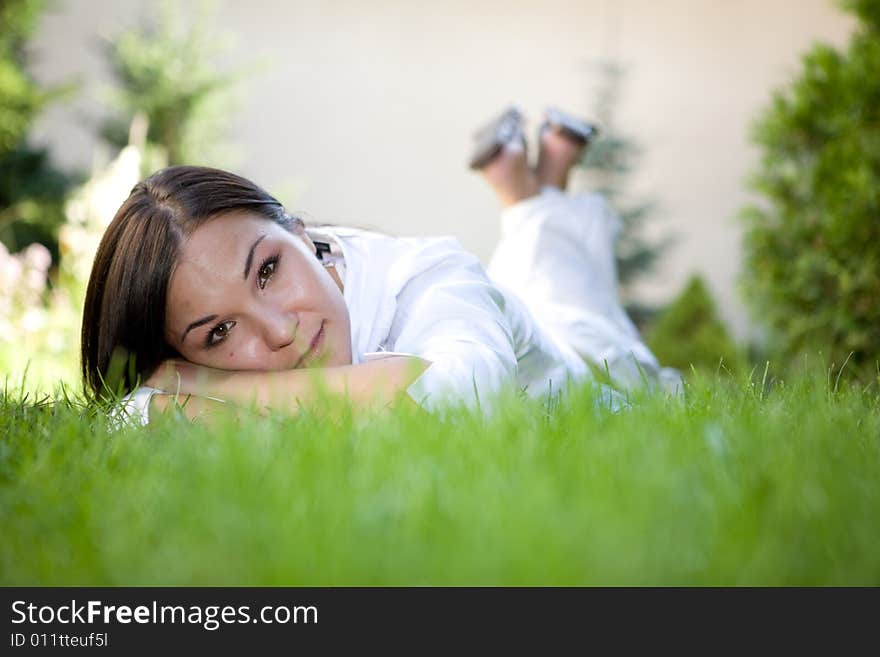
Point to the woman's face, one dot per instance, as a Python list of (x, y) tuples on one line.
[(247, 294)]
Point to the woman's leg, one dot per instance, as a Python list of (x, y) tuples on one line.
[(555, 248), (557, 155), (557, 253), (508, 173)]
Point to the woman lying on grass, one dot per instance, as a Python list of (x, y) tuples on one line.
[(205, 287)]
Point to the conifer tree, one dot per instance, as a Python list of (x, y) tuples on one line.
[(609, 162)]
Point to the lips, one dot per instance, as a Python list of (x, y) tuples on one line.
[(317, 339), (314, 345)]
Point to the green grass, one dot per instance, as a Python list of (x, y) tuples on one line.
[(738, 484)]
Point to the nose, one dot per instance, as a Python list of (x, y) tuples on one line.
[(279, 329)]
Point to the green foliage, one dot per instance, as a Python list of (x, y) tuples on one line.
[(31, 189), (734, 485), (32, 193), (168, 88), (689, 332), (610, 161), (39, 324), (167, 71), (20, 97), (812, 247), (867, 10)]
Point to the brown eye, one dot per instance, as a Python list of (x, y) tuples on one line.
[(264, 273), (218, 333)]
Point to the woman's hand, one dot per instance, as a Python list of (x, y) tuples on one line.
[(179, 376)]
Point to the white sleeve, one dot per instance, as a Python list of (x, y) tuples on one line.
[(452, 315), (134, 408)]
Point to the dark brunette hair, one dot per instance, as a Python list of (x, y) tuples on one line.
[(123, 328)]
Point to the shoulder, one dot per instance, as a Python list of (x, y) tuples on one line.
[(399, 258), (377, 240)]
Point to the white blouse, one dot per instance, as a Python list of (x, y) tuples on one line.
[(431, 298)]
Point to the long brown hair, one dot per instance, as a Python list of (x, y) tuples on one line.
[(123, 329)]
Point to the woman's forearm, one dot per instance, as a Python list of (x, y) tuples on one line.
[(375, 382), (364, 384)]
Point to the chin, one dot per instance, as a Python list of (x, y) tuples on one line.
[(337, 351), (333, 359)]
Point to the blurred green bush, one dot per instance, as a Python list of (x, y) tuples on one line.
[(689, 332), (168, 89), (32, 190), (166, 69), (812, 245)]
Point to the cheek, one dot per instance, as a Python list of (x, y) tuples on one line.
[(302, 293), (246, 353), (307, 287), (340, 344), (238, 355)]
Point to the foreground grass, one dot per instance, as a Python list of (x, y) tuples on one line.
[(733, 486)]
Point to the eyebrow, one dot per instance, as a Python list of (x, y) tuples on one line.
[(250, 257), (196, 324)]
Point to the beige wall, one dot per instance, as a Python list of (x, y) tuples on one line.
[(364, 110)]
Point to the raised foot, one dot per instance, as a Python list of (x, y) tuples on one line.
[(509, 174), (563, 141)]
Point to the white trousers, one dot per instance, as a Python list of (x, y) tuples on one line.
[(557, 253)]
